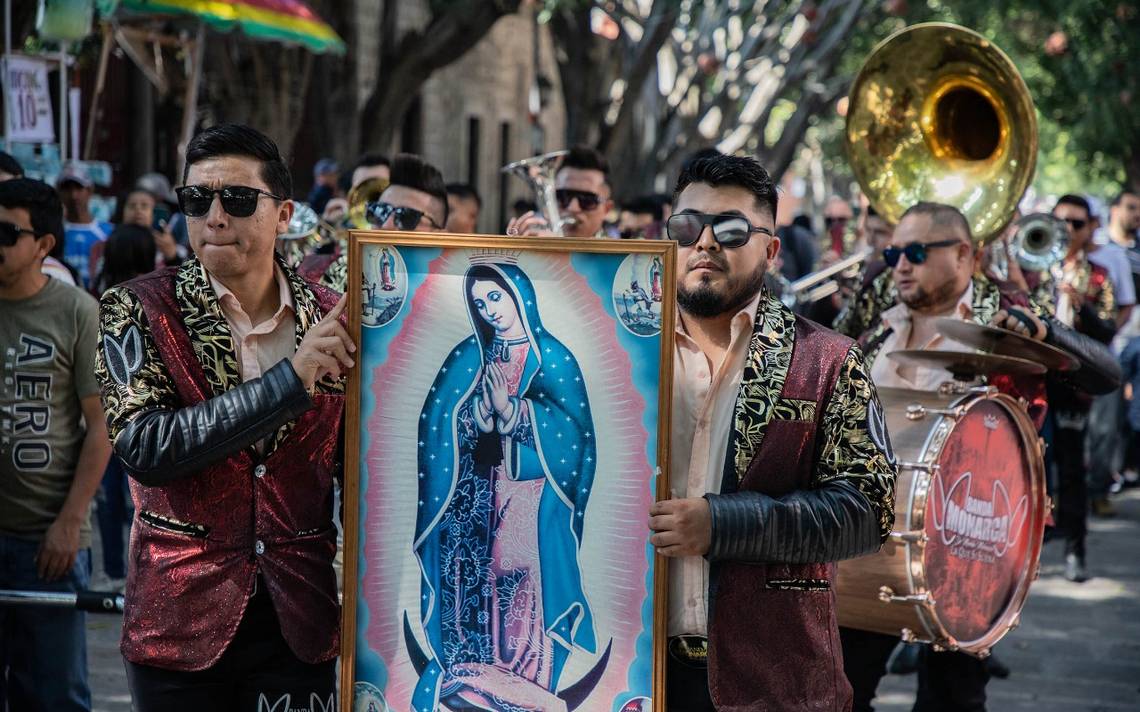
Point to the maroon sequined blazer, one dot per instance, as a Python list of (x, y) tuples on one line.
[(200, 541)]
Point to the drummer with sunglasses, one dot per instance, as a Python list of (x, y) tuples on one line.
[(934, 265), (221, 379), (780, 464), (414, 201), (583, 190)]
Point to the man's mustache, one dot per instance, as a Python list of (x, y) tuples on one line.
[(716, 260)]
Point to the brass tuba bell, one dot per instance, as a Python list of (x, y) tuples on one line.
[(359, 198), (939, 113)]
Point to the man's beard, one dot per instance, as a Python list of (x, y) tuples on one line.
[(921, 299), (704, 302)]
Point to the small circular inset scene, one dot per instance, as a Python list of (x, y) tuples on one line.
[(367, 698), (637, 292), (384, 286)]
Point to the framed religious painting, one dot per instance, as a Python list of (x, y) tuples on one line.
[(508, 427)]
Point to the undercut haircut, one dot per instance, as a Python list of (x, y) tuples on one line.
[(1077, 202), (585, 158), (411, 171), (722, 170), (244, 141), (941, 215)]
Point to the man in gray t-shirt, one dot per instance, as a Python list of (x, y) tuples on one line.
[(53, 450)]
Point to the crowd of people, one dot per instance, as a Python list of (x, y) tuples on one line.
[(193, 406)]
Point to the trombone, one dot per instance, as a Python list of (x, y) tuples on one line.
[(827, 281)]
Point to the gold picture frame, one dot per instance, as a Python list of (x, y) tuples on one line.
[(375, 259)]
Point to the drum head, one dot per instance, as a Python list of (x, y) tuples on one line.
[(983, 522)]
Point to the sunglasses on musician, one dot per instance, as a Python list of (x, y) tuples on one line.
[(1076, 223), (10, 233), (405, 219), (238, 201), (915, 251), (586, 199), (728, 230)]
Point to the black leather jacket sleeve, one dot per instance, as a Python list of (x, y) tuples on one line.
[(158, 445), (829, 523), (1098, 372)]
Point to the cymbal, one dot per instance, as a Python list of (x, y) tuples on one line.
[(964, 365), (1003, 342)]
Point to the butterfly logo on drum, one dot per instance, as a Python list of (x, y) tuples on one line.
[(976, 524)]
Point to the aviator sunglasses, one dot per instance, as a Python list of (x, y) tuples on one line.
[(728, 230), (10, 233), (238, 201), (586, 199), (915, 252), (406, 219)]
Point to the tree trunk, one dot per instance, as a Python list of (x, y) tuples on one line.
[(1132, 169), (406, 64)]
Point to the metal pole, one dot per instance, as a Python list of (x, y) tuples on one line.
[(90, 601), (7, 54), (190, 106), (63, 133), (100, 81)]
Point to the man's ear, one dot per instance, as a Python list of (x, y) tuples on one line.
[(284, 215), (46, 245)]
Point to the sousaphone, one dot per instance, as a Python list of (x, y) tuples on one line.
[(939, 113)]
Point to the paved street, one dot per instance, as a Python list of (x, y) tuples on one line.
[(1077, 650)]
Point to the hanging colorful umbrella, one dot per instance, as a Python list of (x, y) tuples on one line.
[(290, 21)]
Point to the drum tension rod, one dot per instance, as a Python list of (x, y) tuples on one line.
[(930, 467), (916, 537), (917, 411), (887, 595)]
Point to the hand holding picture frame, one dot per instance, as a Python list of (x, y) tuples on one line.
[(507, 432)]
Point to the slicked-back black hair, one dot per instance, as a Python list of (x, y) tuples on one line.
[(241, 140), (719, 170), (411, 171)]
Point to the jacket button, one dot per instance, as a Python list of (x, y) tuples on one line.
[(259, 471), (259, 547)]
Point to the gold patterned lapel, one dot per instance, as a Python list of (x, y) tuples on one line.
[(765, 370), (209, 331), (308, 313), (986, 300)]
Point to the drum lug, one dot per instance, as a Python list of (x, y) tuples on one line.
[(917, 411), (887, 595), (944, 646), (1014, 622), (916, 537), (907, 635), (930, 467)]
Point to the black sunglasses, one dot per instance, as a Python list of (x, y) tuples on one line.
[(238, 201), (406, 219), (586, 199), (915, 252), (1077, 223), (728, 230), (10, 233)]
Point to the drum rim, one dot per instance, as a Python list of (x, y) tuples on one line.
[(931, 453)]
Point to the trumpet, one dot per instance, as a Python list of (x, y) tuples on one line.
[(1041, 242), (827, 281), (539, 173)]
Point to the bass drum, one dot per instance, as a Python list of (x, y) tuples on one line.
[(970, 509)]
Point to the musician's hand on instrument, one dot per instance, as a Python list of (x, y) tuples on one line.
[(683, 526), (1021, 321), (530, 224)]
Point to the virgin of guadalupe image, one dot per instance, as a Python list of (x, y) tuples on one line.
[(387, 282), (506, 465), (655, 278)]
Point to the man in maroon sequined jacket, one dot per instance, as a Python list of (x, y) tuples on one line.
[(220, 379)]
